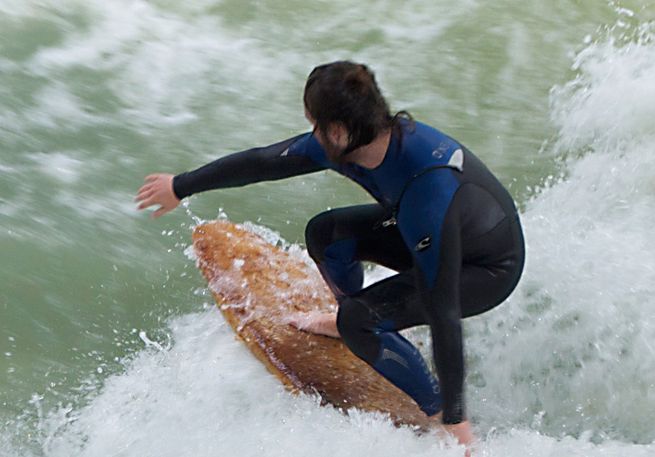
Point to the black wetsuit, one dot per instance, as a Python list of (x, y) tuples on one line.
[(443, 221)]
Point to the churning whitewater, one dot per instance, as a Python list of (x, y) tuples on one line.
[(565, 367)]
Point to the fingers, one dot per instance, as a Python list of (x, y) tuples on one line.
[(144, 195), (150, 182), (147, 202), (316, 322), (295, 320), (148, 189), (144, 188), (160, 212)]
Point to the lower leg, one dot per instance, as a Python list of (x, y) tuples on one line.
[(375, 340)]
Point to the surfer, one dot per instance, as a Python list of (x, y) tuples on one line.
[(442, 221)]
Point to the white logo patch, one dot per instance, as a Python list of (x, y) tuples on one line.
[(457, 160), (390, 355)]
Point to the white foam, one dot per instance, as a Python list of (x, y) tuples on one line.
[(206, 396), (113, 208), (57, 108), (572, 350), (60, 165), (161, 64), (612, 99)]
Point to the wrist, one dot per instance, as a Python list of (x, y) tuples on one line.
[(177, 186), (454, 413), (325, 324)]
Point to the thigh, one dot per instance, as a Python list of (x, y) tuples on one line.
[(361, 223), (393, 303), (487, 285)]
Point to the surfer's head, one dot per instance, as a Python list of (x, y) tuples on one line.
[(345, 105)]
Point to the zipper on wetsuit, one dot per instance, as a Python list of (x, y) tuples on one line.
[(392, 220), (386, 222), (389, 222)]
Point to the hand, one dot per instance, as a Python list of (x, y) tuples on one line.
[(316, 322), (158, 190)]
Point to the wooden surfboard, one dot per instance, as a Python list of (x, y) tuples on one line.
[(256, 285)]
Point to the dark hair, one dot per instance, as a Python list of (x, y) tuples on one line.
[(346, 92)]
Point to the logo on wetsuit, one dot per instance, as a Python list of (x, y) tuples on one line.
[(440, 151), (423, 244)]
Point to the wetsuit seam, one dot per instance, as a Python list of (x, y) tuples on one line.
[(476, 237), (505, 217)]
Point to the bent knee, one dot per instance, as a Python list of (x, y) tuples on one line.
[(318, 234)]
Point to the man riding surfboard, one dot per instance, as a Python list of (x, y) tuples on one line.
[(442, 221)]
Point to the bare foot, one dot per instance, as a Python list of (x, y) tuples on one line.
[(461, 432), (316, 322)]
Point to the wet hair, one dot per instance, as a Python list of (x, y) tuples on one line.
[(346, 92)]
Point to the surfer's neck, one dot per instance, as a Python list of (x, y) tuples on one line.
[(372, 155)]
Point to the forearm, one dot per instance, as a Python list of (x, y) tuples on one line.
[(246, 167), (449, 359)]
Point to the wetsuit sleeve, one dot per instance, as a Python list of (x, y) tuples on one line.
[(277, 161), (429, 222)]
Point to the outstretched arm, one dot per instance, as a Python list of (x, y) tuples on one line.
[(292, 157), (277, 161)]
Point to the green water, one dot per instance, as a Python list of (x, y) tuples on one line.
[(96, 95)]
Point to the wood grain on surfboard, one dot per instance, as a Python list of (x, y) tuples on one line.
[(256, 285)]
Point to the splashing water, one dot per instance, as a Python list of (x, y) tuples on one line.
[(565, 367)]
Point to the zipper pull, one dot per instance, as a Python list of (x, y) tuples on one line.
[(389, 222)]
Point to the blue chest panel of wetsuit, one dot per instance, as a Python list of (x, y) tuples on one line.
[(408, 181), (421, 147)]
